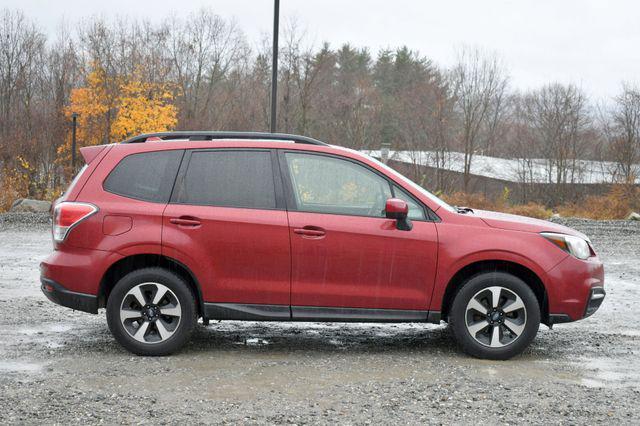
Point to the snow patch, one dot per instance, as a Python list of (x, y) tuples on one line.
[(517, 170)]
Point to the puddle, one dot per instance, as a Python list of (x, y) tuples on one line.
[(47, 328), (19, 367), (607, 372), (20, 257), (630, 332), (49, 335), (253, 342)]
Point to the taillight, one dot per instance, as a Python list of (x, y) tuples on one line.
[(68, 214)]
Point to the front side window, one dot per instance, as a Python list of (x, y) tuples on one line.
[(242, 179), (147, 176), (409, 182), (323, 184), (416, 212)]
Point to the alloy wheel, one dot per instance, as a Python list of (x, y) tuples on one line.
[(150, 312), (495, 316)]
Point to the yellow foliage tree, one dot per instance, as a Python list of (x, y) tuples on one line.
[(94, 105), (112, 108), (142, 108), (14, 183)]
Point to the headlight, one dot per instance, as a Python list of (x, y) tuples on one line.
[(573, 245)]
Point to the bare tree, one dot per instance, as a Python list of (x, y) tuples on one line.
[(204, 48), (623, 132), (522, 144), (427, 125), (21, 46), (559, 117), (480, 84)]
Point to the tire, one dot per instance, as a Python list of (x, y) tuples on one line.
[(160, 326), (516, 316)]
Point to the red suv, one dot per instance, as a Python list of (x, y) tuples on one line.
[(165, 228)]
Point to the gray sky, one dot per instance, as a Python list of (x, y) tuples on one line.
[(595, 44)]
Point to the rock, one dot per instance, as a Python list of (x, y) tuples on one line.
[(30, 206), (556, 216), (633, 216)]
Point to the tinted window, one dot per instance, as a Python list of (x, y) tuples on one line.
[(416, 212), (229, 179), (146, 176), (331, 185)]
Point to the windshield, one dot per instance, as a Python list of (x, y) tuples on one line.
[(414, 185)]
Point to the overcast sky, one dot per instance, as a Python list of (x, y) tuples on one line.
[(595, 44)]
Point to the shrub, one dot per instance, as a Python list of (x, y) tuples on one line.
[(473, 200), (530, 209), (14, 185), (500, 204), (617, 204)]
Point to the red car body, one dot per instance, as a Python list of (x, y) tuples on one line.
[(299, 260)]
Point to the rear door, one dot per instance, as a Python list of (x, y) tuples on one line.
[(226, 221), (345, 252)]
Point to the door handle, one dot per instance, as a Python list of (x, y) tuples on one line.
[(185, 221), (310, 231)]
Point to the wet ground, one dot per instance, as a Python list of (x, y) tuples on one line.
[(62, 366)]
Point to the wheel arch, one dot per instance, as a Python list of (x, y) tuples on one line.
[(138, 261), (525, 274)]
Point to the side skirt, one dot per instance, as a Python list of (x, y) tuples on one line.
[(255, 312), (313, 313), (235, 311)]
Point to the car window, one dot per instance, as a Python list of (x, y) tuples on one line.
[(394, 174), (229, 179), (416, 211), (330, 185), (145, 176), (74, 181)]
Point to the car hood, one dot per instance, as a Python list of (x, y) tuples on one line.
[(514, 222)]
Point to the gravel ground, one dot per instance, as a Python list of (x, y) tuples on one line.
[(59, 366)]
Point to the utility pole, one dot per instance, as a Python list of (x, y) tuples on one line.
[(384, 152), (74, 125), (274, 65)]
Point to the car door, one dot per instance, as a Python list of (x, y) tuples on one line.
[(345, 252), (227, 222)]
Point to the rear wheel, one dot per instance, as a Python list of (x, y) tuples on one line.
[(494, 315), (151, 311)]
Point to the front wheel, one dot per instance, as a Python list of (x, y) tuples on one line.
[(151, 311), (494, 315)]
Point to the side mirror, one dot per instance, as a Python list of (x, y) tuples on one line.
[(399, 210)]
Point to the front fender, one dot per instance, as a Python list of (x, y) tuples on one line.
[(464, 245)]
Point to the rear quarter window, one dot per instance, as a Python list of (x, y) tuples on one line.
[(74, 182), (147, 176)]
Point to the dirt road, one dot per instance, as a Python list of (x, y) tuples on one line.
[(62, 366)]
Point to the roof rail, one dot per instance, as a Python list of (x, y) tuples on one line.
[(194, 135)]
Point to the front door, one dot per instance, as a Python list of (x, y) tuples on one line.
[(345, 253)]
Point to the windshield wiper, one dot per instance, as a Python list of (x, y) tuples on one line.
[(463, 210)]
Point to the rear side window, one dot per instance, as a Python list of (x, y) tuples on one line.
[(147, 176), (229, 179)]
